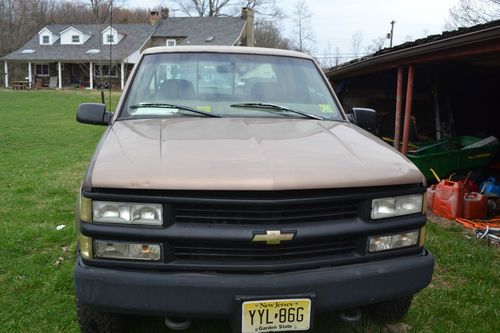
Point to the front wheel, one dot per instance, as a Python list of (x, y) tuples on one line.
[(390, 311), (93, 321)]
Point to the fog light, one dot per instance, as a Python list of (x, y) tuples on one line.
[(395, 241), (123, 250)]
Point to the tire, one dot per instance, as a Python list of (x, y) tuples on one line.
[(93, 321), (390, 311)]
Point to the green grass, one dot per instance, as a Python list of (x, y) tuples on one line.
[(43, 155)]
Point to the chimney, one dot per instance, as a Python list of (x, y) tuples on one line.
[(164, 12), (247, 14), (154, 17)]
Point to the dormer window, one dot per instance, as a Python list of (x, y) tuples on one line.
[(75, 39), (171, 42), (111, 37), (45, 39)]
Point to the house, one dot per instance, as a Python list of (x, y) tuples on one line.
[(447, 85), (92, 56)]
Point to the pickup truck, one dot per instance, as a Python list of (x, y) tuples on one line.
[(229, 183)]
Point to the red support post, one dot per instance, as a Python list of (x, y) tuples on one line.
[(399, 105), (409, 97)]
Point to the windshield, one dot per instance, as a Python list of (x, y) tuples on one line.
[(219, 83)]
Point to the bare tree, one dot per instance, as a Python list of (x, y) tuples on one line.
[(356, 43), (268, 34), (376, 45), (302, 29), (203, 8), (467, 13)]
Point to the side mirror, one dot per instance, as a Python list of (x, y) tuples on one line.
[(364, 118), (93, 113)]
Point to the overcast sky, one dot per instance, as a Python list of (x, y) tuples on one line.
[(335, 21)]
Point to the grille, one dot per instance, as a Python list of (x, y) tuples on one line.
[(259, 253), (269, 213)]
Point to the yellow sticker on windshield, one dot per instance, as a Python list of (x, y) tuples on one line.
[(204, 108), (326, 108)]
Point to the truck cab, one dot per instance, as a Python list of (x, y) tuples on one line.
[(229, 183)]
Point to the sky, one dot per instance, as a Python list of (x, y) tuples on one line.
[(335, 21)]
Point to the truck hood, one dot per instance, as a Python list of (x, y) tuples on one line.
[(245, 154)]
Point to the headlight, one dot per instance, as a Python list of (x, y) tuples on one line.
[(127, 213), (394, 241), (123, 250), (396, 206)]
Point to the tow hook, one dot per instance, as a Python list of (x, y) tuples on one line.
[(351, 315), (177, 324)]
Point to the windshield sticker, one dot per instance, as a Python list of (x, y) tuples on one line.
[(204, 108), (326, 108)]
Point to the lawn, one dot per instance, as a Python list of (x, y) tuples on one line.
[(43, 155)]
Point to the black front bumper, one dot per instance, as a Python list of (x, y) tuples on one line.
[(207, 294)]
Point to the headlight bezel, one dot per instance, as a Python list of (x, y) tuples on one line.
[(127, 209), (396, 200)]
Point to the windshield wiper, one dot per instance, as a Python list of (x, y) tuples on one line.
[(173, 106), (275, 107)]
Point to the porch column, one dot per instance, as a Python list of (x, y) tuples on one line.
[(29, 75), (399, 105), (59, 75), (6, 74), (409, 97), (91, 75), (122, 72)]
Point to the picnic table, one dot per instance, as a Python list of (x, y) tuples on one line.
[(20, 85)]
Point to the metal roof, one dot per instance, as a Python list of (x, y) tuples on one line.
[(410, 51)]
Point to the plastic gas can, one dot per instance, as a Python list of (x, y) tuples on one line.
[(448, 199), (431, 191), (475, 206)]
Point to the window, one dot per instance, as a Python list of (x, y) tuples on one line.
[(103, 71), (215, 81), (41, 69), (75, 39), (171, 42), (46, 39), (110, 39)]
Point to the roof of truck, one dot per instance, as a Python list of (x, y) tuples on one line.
[(227, 49)]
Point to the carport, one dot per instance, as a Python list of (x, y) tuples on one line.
[(433, 88)]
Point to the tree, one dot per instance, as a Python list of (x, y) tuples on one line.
[(356, 43), (302, 29), (224, 7), (467, 13), (376, 45), (268, 34)]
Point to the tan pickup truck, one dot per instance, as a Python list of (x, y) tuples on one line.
[(230, 183)]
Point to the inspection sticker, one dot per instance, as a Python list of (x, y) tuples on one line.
[(326, 108)]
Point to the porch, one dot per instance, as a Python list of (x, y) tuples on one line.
[(59, 75)]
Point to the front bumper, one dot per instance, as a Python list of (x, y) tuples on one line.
[(210, 294)]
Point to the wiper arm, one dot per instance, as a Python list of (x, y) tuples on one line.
[(275, 107), (173, 106)]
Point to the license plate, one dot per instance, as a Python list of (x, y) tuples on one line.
[(276, 315)]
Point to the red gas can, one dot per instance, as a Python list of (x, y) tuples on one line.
[(431, 191), (475, 206), (449, 199)]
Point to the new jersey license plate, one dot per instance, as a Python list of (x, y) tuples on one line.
[(276, 315)]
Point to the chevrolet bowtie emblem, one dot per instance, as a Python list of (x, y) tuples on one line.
[(273, 237)]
